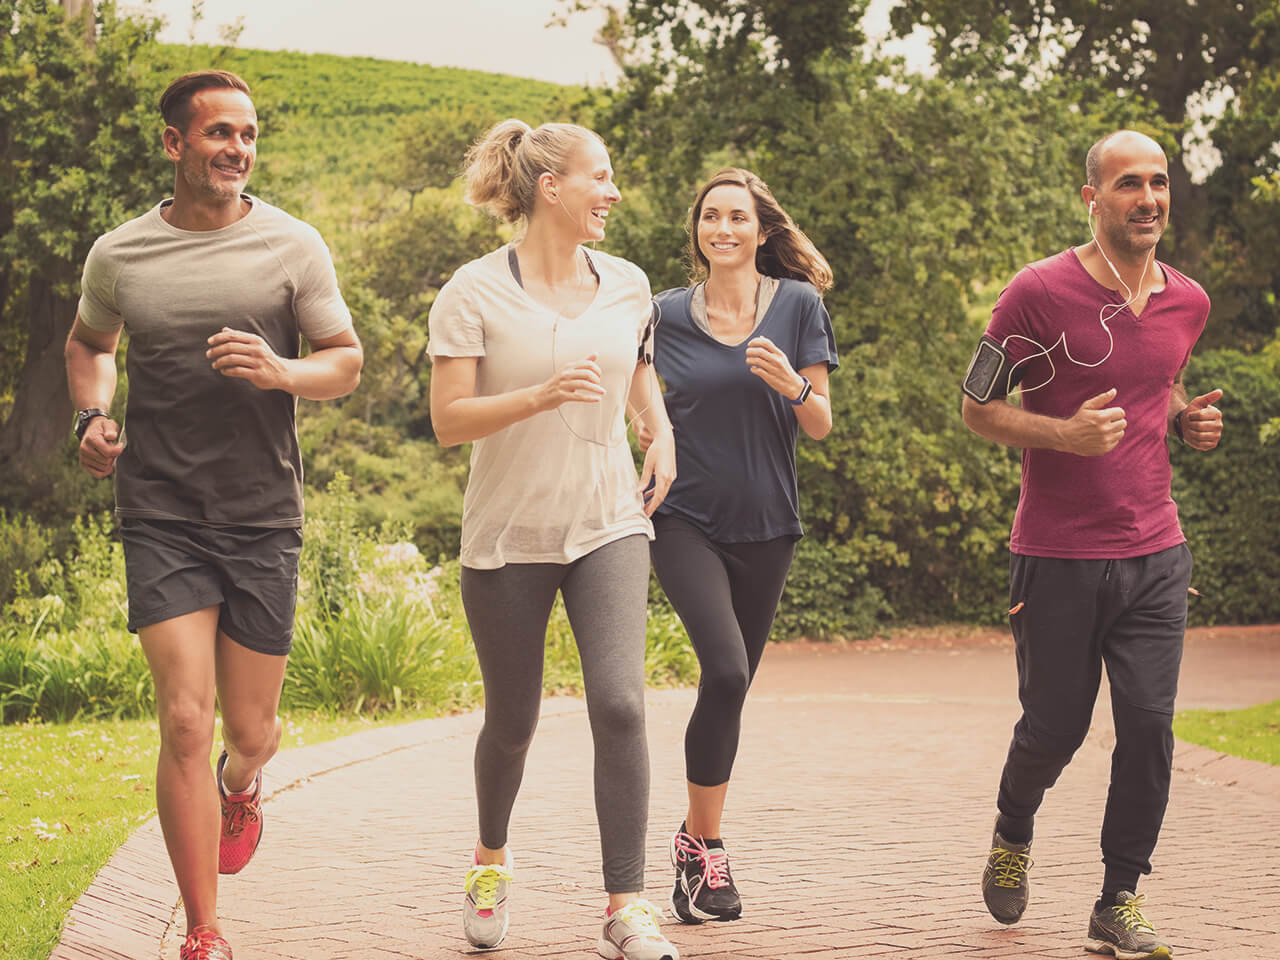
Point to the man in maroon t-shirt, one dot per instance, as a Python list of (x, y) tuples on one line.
[(1097, 337)]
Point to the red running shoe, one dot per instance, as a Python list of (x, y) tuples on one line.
[(203, 944), (241, 824)]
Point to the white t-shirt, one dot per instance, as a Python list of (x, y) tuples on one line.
[(556, 486)]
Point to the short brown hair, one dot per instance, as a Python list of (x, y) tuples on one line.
[(175, 102)]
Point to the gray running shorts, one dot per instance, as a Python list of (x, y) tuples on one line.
[(174, 567)]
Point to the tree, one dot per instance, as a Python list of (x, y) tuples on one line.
[(79, 154), (1173, 57), (427, 149), (920, 192)]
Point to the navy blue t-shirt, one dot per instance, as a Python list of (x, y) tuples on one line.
[(735, 435)]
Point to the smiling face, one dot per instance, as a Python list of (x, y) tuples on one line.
[(728, 227), (216, 152), (1131, 200), (585, 192)]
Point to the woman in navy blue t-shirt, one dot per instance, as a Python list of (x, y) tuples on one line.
[(744, 356)]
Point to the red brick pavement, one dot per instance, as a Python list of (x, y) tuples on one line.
[(858, 823)]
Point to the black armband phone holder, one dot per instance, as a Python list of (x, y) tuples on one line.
[(646, 338), (988, 373)]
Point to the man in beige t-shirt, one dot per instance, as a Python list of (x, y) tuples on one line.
[(216, 289)]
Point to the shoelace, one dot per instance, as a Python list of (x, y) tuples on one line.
[(482, 883), (714, 860), (240, 813), (203, 944), (1010, 867), (1130, 914), (642, 917)]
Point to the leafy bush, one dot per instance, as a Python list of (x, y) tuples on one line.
[(65, 652), (23, 544), (1229, 498), (378, 629)]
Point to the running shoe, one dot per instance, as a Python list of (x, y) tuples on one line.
[(704, 888), (203, 944), (1005, 886), (241, 823), (484, 909), (631, 933), (1124, 932)]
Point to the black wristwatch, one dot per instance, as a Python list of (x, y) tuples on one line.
[(82, 420)]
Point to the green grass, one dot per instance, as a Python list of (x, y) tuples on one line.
[(70, 794), (1252, 733)]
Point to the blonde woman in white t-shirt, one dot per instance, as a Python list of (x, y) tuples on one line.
[(537, 348)]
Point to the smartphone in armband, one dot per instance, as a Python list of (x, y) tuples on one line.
[(988, 368)]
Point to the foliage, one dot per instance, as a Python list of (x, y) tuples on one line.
[(342, 129), (907, 511), (1252, 733), (1137, 51), (64, 652), (78, 156), (70, 794), (23, 544), (379, 629), (1207, 70), (1228, 499), (409, 484), (377, 657)]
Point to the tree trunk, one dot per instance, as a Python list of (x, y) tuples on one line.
[(84, 10), (36, 430)]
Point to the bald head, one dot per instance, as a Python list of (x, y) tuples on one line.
[(1125, 140)]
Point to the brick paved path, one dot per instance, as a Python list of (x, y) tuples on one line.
[(858, 823)]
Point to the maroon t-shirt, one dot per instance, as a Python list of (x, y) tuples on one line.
[(1116, 505)]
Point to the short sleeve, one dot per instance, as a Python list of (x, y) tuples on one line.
[(455, 327), (1012, 322), (318, 303), (97, 307), (817, 342)]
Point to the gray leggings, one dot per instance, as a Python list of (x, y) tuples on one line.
[(605, 595)]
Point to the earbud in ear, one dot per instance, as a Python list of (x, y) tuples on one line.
[(1092, 204)]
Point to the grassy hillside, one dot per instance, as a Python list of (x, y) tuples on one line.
[(328, 120)]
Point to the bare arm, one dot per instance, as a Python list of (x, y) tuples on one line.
[(814, 415), (459, 416), (91, 379), (768, 362), (1091, 431), (655, 434), (331, 370)]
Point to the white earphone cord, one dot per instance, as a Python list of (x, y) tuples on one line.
[(630, 425), (1115, 308)]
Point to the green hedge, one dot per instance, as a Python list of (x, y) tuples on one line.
[(1229, 498), (913, 526)]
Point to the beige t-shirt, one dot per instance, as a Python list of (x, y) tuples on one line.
[(556, 486), (201, 446)]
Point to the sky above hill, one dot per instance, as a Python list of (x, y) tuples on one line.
[(501, 36)]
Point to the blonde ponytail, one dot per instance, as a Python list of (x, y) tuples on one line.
[(503, 166)]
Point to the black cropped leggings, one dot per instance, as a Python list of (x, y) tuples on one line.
[(726, 595)]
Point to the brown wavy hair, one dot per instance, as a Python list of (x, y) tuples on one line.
[(786, 251)]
